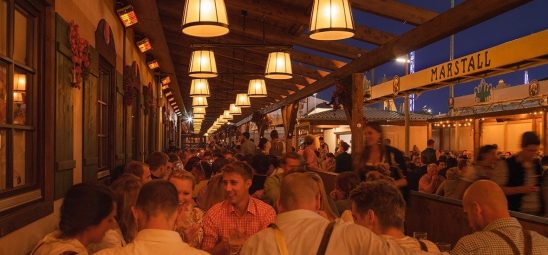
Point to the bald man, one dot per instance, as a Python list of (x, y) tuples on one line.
[(300, 229), (486, 207)]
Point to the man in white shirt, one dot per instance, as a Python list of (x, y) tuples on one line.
[(302, 228), (155, 213)]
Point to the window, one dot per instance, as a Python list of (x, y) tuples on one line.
[(25, 160), (103, 120)]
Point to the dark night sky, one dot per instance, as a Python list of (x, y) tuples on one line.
[(525, 20)]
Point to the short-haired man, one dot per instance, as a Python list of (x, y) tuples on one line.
[(380, 207), (429, 155), (155, 213), (303, 230), (497, 233), (343, 161), (229, 223), (159, 165), (290, 162), (138, 169), (247, 147)]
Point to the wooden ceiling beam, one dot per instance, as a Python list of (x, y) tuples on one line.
[(293, 14), (464, 15), (395, 10)]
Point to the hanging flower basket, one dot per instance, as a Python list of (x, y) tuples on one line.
[(80, 56)]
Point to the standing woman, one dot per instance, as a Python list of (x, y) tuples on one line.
[(380, 157), (86, 214), (309, 153)]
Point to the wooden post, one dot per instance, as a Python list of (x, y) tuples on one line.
[(289, 118), (545, 132), (429, 131), (353, 108), (477, 135), (407, 123)]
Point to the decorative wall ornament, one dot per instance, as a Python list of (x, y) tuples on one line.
[(396, 85), (483, 92), (534, 88), (80, 56), (148, 98), (131, 82)]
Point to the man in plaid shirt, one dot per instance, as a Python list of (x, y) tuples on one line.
[(485, 205), (229, 223)]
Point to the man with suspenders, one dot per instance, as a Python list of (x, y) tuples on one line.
[(497, 232)]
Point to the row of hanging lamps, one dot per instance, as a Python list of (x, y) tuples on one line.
[(331, 20), (222, 120), (235, 110), (257, 88), (205, 18), (278, 66), (242, 100), (199, 88), (202, 64), (199, 102), (198, 110)]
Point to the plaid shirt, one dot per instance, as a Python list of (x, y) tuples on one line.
[(486, 242), (222, 218)]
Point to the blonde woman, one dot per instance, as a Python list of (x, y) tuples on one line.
[(189, 217)]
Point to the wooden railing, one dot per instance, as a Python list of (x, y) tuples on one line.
[(445, 221)]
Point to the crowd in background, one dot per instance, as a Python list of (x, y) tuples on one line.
[(265, 198)]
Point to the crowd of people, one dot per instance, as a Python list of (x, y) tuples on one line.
[(243, 198)]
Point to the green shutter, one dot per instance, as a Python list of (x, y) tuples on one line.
[(64, 133), (90, 150)]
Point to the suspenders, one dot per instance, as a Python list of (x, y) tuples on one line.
[(282, 246), (527, 242)]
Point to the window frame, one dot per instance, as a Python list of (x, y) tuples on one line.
[(41, 99)]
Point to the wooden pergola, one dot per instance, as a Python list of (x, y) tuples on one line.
[(286, 22)]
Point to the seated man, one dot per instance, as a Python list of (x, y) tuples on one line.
[(239, 216), (485, 205), (159, 165), (301, 230), (291, 161), (155, 213), (380, 207), (138, 169)]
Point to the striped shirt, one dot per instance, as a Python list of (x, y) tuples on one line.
[(486, 242)]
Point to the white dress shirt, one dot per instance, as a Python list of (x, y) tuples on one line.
[(155, 241), (52, 244), (303, 231)]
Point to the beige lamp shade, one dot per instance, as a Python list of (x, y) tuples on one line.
[(235, 110), (257, 88), (198, 110), (227, 115), (205, 18), (242, 100), (19, 82), (222, 120), (198, 116), (199, 102), (278, 66), (331, 20), (199, 88), (202, 64), (17, 97)]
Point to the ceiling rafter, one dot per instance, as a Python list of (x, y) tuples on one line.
[(395, 10)]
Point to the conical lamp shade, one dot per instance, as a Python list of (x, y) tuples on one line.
[(235, 110), (199, 102), (205, 18), (257, 88), (226, 115), (331, 20), (202, 64), (242, 100), (198, 116), (278, 66), (199, 88), (198, 110), (222, 120)]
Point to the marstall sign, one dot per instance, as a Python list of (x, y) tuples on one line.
[(461, 66)]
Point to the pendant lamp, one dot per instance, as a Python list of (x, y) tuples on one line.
[(278, 66), (205, 18), (226, 115), (198, 116), (235, 110), (199, 102), (199, 110), (202, 64), (242, 100), (331, 20), (199, 88), (257, 88)]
